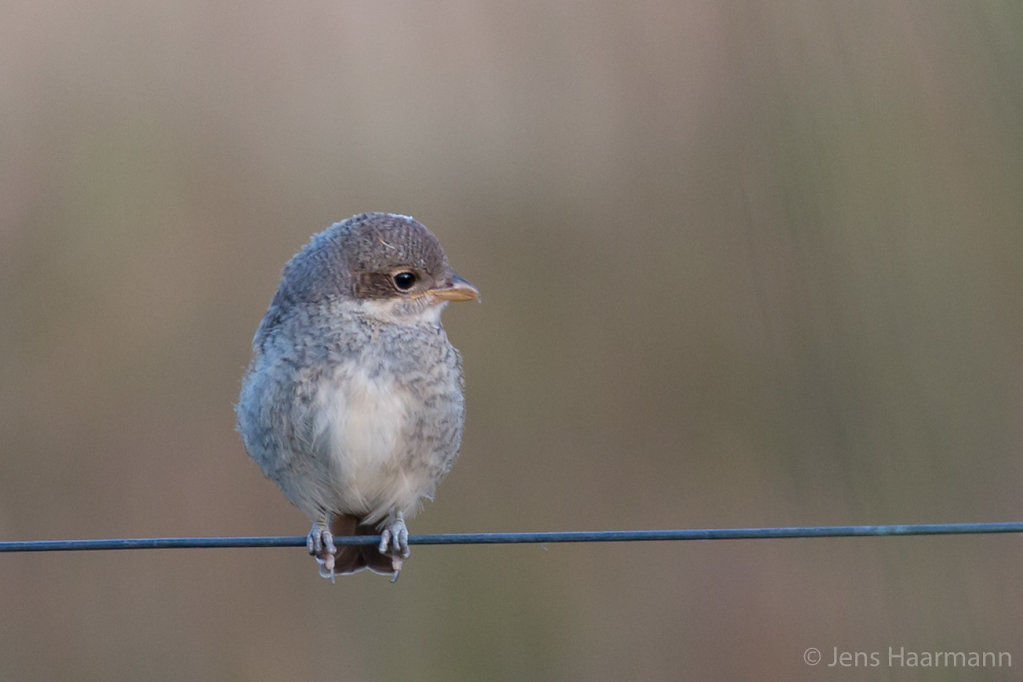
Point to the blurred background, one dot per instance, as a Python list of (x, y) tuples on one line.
[(742, 264)]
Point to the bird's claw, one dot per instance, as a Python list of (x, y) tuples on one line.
[(320, 543), (394, 543)]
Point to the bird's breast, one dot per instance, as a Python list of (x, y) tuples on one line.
[(369, 428), (363, 419)]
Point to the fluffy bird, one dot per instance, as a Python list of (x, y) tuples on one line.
[(353, 402)]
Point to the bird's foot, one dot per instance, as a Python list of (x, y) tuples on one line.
[(320, 543), (394, 543)]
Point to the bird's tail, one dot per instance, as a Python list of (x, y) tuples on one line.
[(354, 558)]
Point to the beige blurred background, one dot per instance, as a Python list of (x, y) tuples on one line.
[(743, 264)]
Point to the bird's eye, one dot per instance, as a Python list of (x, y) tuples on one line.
[(404, 280)]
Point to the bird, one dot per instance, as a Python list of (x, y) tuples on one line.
[(353, 402)]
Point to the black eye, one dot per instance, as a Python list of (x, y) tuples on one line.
[(404, 280)]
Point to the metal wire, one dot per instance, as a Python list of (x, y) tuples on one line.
[(516, 538)]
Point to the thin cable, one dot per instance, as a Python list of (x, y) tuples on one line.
[(517, 538)]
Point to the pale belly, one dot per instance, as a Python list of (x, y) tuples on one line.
[(371, 464)]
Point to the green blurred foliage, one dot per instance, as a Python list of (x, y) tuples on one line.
[(742, 264)]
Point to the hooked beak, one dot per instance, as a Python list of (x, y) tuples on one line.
[(457, 289)]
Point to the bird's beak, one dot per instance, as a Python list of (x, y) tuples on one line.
[(457, 289)]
